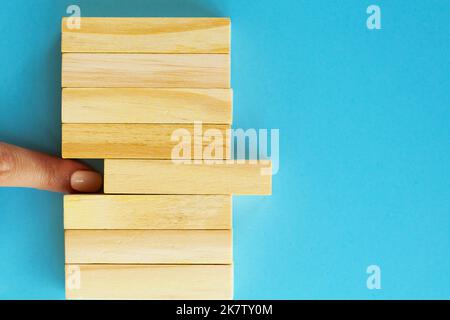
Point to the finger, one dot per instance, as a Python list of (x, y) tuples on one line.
[(20, 167)]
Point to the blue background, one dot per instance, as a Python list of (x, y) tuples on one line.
[(364, 128)]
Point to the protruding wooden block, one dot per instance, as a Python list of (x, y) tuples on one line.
[(82, 211), (146, 105), (165, 282), (176, 177), (144, 141), (91, 70), (150, 35), (149, 246)]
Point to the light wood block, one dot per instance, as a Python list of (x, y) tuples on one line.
[(149, 246), (165, 282), (146, 70), (147, 211), (173, 177), (145, 141), (151, 35), (146, 105)]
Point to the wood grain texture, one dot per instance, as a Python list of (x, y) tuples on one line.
[(149, 246), (145, 70), (165, 282), (171, 177), (147, 212), (150, 35), (145, 141), (146, 105)]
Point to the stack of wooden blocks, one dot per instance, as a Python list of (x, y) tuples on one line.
[(162, 228)]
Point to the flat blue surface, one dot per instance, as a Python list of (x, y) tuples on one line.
[(364, 128)]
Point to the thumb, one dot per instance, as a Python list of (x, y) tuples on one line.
[(20, 167)]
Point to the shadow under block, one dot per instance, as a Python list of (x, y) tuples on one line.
[(145, 70), (146, 105), (147, 212), (148, 246), (179, 282), (173, 177), (145, 141), (150, 35)]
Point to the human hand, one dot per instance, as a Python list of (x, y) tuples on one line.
[(20, 167)]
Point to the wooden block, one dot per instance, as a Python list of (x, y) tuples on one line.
[(147, 212), (173, 177), (145, 141), (146, 105), (146, 70), (150, 35), (165, 282), (149, 246)]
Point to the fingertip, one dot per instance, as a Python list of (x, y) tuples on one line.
[(86, 181)]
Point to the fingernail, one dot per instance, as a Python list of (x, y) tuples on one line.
[(86, 181)]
